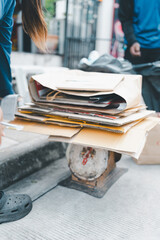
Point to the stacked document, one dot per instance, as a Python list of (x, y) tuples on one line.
[(110, 102), (97, 109)]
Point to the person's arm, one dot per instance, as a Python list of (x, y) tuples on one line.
[(126, 18), (1, 127), (4, 7), (126, 8), (6, 22)]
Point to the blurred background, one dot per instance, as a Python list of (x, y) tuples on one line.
[(75, 28)]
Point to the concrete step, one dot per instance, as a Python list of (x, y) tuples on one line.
[(42, 181), (22, 154)]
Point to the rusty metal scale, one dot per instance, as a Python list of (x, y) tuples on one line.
[(93, 170)]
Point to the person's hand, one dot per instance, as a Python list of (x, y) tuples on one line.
[(135, 50), (1, 127)]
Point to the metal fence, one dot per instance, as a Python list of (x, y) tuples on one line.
[(80, 30)]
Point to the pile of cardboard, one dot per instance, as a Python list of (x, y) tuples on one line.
[(96, 109)]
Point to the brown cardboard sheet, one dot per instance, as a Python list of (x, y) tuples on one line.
[(130, 143), (69, 123), (83, 120), (151, 150), (47, 129)]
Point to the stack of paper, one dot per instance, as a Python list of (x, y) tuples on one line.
[(109, 102), (97, 109)]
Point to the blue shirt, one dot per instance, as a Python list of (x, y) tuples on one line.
[(6, 27), (146, 23)]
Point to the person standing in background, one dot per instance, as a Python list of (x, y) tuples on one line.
[(140, 21), (14, 207)]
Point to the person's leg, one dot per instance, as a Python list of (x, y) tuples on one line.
[(147, 56), (151, 55), (133, 60), (150, 89)]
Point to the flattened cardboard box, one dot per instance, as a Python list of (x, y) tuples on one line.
[(151, 150), (131, 143), (118, 126)]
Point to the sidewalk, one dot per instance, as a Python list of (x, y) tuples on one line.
[(21, 154), (128, 211)]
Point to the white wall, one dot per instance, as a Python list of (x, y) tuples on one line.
[(104, 26), (60, 9)]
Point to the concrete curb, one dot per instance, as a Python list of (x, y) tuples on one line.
[(25, 159)]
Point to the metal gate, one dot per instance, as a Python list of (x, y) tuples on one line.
[(80, 30)]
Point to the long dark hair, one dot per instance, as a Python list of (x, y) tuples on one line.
[(33, 22)]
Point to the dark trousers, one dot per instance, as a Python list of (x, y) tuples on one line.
[(147, 56), (151, 81)]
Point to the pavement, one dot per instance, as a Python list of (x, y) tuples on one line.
[(128, 211), (23, 153)]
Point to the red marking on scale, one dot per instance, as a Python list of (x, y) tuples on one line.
[(85, 159), (158, 143)]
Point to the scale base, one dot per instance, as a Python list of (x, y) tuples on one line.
[(99, 186)]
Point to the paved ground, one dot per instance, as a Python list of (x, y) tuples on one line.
[(22, 153), (129, 210)]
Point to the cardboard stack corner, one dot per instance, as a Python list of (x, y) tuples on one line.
[(95, 109)]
